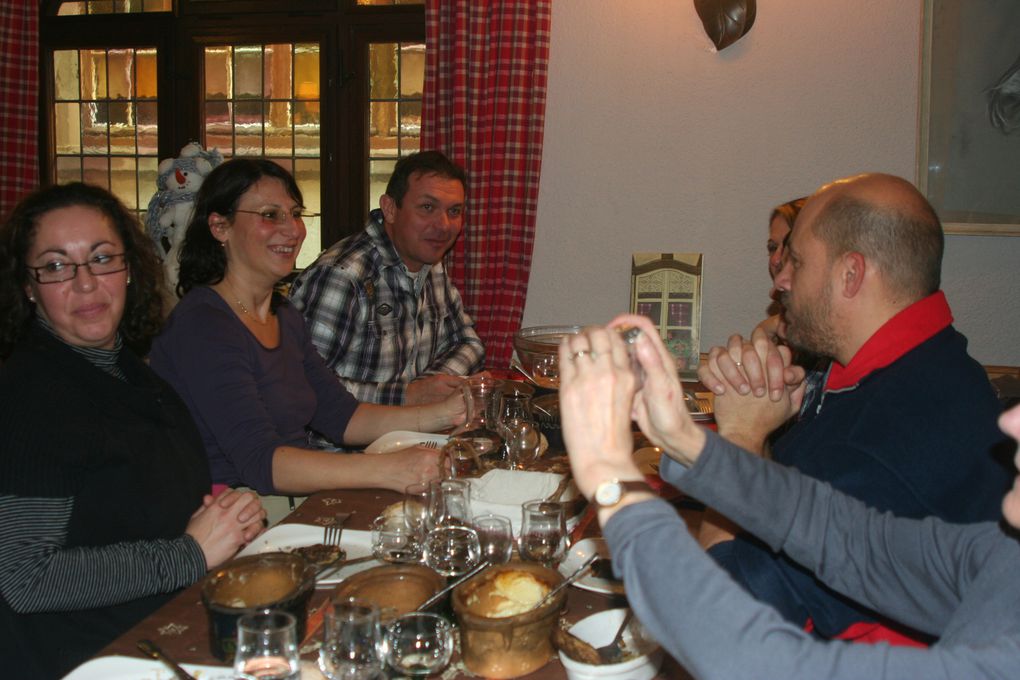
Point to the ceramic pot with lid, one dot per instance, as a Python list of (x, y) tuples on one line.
[(506, 646), (251, 584)]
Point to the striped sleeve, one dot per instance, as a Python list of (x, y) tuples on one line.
[(38, 573)]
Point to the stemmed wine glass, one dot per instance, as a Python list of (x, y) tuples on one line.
[(419, 644)]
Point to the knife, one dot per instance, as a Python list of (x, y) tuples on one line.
[(150, 648)]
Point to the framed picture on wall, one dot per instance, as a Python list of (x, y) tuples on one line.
[(666, 287), (969, 151)]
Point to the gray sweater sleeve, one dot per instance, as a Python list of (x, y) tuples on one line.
[(38, 573), (716, 630)]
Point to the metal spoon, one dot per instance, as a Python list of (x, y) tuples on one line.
[(442, 593), (150, 648), (329, 570), (567, 581)]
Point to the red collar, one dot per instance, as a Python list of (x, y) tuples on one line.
[(897, 336)]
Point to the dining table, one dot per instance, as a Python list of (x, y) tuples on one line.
[(181, 627)]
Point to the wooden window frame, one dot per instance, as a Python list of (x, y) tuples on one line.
[(342, 28)]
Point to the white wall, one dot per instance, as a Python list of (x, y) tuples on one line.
[(655, 142)]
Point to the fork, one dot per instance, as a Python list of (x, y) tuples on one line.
[(696, 404), (335, 529), (331, 536), (613, 652)]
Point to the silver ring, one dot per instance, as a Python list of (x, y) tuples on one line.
[(582, 353), (738, 364)]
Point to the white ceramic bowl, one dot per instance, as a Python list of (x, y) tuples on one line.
[(599, 629)]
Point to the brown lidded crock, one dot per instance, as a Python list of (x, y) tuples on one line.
[(249, 584), (510, 646), (396, 589)]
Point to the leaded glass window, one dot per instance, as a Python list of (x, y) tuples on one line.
[(264, 100), (397, 73), (105, 124)]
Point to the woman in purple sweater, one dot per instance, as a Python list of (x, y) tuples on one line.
[(240, 357)]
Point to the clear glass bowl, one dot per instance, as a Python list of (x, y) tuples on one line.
[(535, 353)]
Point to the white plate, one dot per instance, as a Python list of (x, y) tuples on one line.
[(401, 439), (581, 551), (284, 537), (647, 459), (127, 668)]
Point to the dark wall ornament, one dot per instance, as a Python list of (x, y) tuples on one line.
[(726, 21)]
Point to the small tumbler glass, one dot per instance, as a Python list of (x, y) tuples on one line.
[(495, 536), (419, 644), (449, 502), (416, 508), (393, 541), (353, 643), (452, 550), (543, 532), (267, 646)]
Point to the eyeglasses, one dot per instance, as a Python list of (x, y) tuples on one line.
[(278, 215), (98, 265)]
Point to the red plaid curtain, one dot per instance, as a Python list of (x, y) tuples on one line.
[(484, 106), (19, 101)]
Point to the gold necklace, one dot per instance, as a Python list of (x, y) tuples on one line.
[(244, 309)]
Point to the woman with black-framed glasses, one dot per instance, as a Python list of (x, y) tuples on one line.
[(104, 488)]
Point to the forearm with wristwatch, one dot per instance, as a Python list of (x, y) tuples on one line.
[(628, 486), (615, 493)]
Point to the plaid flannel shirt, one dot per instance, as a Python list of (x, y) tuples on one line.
[(379, 326)]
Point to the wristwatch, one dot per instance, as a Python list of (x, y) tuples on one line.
[(612, 491)]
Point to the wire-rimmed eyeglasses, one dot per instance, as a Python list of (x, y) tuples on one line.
[(278, 215), (98, 265)]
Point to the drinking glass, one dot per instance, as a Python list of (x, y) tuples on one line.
[(267, 646), (464, 459), (452, 550), (543, 532), (416, 508), (394, 541), (449, 502), (479, 432), (419, 644), (518, 428), (495, 536), (353, 644)]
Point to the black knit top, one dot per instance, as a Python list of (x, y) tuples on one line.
[(100, 472)]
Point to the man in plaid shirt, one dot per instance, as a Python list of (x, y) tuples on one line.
[(379, 306)]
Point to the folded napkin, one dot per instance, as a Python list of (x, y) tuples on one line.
[(503, 491)]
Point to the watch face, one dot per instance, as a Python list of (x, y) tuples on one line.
[(608, 493)]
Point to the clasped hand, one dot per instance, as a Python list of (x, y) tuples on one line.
[(225, 523), (757, 388)]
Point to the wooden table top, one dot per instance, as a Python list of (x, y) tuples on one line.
[(181, 626)]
